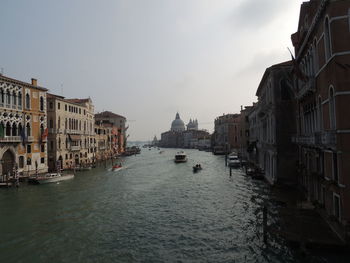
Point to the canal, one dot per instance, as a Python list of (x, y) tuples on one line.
[(152, 211)]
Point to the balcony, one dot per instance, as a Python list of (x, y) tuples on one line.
[(307, 87), (329, 138), (11, 139), (75, 148), (30, 139), (304, 139)]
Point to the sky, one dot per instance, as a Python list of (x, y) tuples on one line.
[(148, 59)]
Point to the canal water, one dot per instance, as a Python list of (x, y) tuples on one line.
[(153, 210)]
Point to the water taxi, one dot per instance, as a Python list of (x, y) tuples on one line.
[(180, 157), (49, 178)]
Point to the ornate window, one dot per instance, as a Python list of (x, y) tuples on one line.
[(28, 129), (8, 97), (2, 95), (27, 101), (19, 99)]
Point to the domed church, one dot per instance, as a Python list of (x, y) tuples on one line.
[(177, 125)]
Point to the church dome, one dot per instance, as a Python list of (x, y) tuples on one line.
[(177, 125)]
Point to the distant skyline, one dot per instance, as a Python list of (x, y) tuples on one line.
[(147, 60)]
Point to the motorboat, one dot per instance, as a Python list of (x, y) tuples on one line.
[(49, 178), (233, 161), (117, 167), (197, 168), (180, 157)]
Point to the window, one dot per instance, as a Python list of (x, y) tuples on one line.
[(335, 167), (59, 123), (27, 101), (58, 105), (332, 116), (59, 143), (327, 39), (42, 160), (42, 104), (28, 129), (65, 107), (20, 99), (2, 96), (79, 111), (14, 99), (29, 161), (21, 162), (29, 148), (8, 97), (42, 148), (336, 205), (51, 145), (51, 123), (66, 156)]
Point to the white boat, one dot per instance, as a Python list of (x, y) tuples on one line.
[(49, 178), (233, 161), (180, 157)]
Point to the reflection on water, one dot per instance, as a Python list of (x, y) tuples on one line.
[(154, 211)]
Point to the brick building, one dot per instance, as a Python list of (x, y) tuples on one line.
[(322, 52)]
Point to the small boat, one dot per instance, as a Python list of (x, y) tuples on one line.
[(180, 157), (233, 161), (49, 178), (161, 152), (197, 168), (117, 167)]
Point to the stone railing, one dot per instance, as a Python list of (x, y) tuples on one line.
[(11, 139), (75, 148)]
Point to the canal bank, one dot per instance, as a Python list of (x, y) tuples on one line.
[(153, 210)]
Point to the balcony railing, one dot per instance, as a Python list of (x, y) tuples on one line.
[(30, 138), (75, 148), (11, 139), (325, 138), (306, 87)]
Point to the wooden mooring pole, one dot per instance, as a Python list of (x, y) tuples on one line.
[(230, 171)]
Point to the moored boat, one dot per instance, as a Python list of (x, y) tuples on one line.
[(180, 157), (233, 161), (49, 178), (197, 168)]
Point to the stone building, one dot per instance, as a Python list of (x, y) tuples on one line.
[(322, 53), (274, 117), (243, 127), (106, 135), (71, 139), (22, 127), (118, 122), (226, 133)]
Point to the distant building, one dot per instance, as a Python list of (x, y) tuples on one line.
[(23, 124), (226, 133), (106, 135), (180, 137), (119, 122)]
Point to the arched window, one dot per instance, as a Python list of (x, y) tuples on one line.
[(8, 129), (14, 130), (41, 104), (20, 99), (332, 121), (327, 39), (20, 129), (8, 97), (27, 101), (28, 129), (2, 95), (14, 98), (2, 130)]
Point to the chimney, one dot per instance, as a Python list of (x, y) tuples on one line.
[(34, 82)]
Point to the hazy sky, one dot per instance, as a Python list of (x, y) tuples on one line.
[(148, 59)]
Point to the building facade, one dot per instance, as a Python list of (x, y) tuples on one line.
[(323, 96), (71, 137), (119, 122), (226, 133), (106, 135), (23, 122), (274, 118)]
